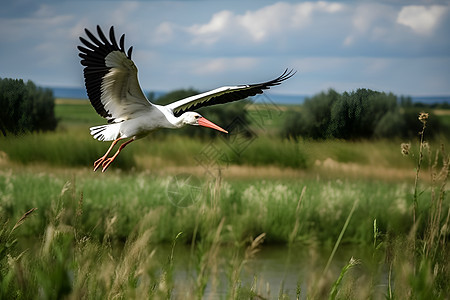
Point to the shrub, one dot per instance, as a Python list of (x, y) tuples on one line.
[(25, 107)]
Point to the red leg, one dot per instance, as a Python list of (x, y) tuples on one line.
[(99, 161), (109, 160)]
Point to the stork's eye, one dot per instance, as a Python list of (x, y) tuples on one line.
[(196, 117)]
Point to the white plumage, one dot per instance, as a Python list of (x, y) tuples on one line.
[(113, 88)]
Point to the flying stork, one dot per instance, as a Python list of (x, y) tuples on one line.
[(112, 86)]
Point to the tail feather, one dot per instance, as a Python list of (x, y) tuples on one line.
[(108, 132)]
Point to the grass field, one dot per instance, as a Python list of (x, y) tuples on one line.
[(71, 145), (122, 234)]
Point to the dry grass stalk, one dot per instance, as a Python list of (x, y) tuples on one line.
[(25, 215), (294, 232), (209, 263), (129, 266), (254, 247), (423, 118), (436, 228), (238, 264)]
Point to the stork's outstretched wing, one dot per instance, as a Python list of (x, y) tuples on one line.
[(111, 77), (226, 94)]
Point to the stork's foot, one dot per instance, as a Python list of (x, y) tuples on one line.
[(99, 162), (106, 163)]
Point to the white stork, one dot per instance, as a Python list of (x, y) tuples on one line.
[(113, 89)]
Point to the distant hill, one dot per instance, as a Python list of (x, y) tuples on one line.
[(69, 92), (80, 93), (431, 99)]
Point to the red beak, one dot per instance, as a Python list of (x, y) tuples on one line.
[(206, 123)]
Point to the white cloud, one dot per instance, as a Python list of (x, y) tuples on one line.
[(367, 15), (256, 24), (422, 19), (261, 24), (209, 33), (163, 33), (371, 21)]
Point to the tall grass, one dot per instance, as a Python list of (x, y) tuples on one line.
[(59, 149), (253, 206), (99, 236), (76, 148)]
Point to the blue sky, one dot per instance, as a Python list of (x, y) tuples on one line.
[(393, 46)]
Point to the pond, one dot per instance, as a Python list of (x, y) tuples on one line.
[(273, 271)]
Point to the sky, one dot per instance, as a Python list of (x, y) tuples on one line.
[(394, 46)]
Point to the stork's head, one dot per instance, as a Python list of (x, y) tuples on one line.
[(193, 118)]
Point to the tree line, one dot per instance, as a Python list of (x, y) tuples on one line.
[(362, 114)]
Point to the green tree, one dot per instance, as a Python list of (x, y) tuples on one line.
[(313, 119), (356, 115), (25, 107)]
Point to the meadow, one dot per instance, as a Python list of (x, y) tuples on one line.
[(184, 218)]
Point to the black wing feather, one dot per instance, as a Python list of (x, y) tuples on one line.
[(93, 55), (112, 38), (252, 90), (129, 52), (93, 38), (87, 43), (122, 42), (103, 37)]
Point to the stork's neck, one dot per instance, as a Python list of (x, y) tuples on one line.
[(178, 122), (172, 120)]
